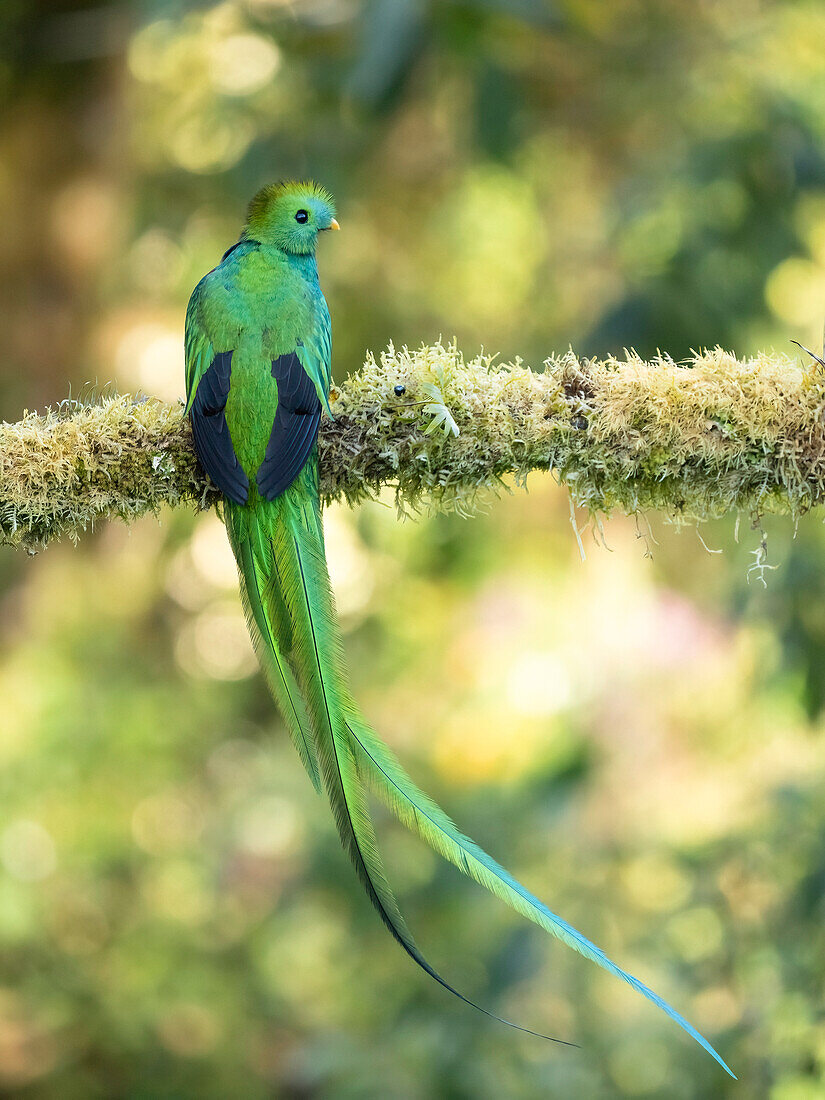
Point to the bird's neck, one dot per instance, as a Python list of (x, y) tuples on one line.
[(302, 264), (307, 266)]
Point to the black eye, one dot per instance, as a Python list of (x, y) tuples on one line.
[(302, 216)]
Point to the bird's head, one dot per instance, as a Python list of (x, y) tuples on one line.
[(291, 215)]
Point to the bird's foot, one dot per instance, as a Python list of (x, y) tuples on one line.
[(812, 354)]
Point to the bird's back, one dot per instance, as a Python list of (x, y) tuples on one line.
[(259, 304)]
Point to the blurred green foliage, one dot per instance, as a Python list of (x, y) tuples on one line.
[(641, 741)]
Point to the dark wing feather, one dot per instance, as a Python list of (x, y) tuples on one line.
[(213, 442), (240, 244), (294, 429)]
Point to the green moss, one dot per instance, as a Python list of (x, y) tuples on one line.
[(694, 441)]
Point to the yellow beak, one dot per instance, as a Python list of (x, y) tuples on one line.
[(334, 224)]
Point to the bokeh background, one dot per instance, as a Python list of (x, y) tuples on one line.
[(641, 738)]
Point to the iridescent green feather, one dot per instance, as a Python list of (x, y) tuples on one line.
[(300, 582), (268, 622), (419, 813), (198, 349)]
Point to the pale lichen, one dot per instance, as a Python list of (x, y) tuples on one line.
[(694, 440)]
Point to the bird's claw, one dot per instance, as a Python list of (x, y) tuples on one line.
[(812, 354)]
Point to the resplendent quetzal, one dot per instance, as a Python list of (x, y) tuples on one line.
[(258, 375)]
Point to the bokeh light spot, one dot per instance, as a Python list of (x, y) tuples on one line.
[(27, 851), (243, 63)]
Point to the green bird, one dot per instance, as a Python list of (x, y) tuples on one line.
[(258, 375)]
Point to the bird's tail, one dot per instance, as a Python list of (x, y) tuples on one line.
[(289, 608), (280, 551)]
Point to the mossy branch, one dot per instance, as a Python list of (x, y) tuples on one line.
[(695, 441)]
